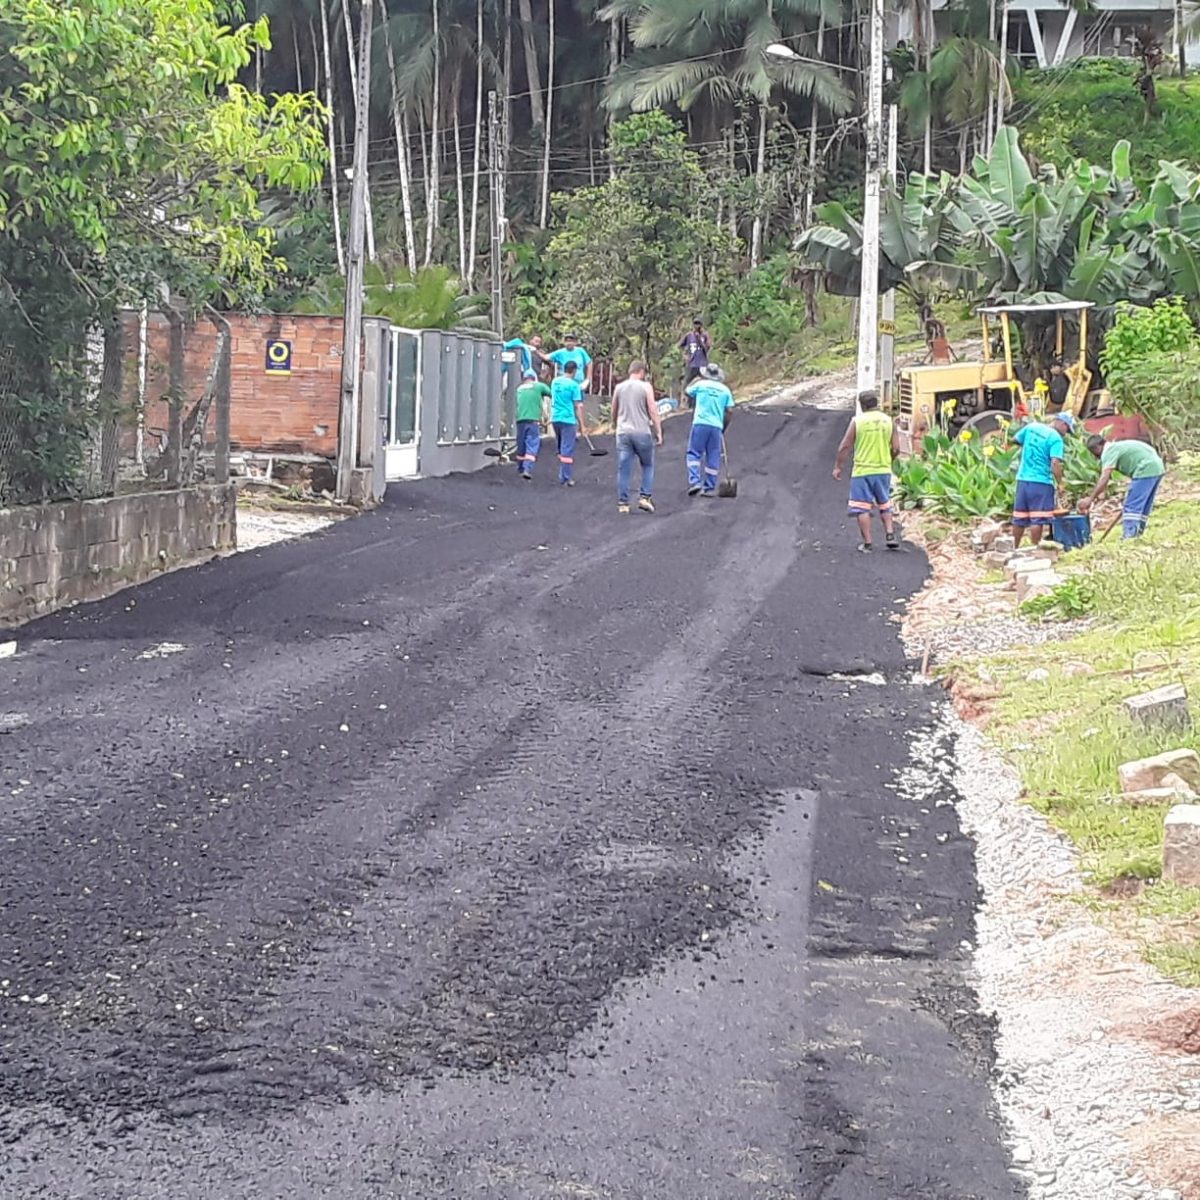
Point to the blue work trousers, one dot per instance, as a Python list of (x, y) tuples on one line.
[(629, 447), (529, 442), (1139, 500), (566, 432), (704, 457)]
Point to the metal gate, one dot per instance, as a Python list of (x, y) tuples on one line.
[(445, 401)]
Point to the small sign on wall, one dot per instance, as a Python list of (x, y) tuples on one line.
[(279, 357)]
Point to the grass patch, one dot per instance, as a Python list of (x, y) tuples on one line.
[(1067, 731)]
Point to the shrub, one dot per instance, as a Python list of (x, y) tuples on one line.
[(966, 477), (1151, 361)]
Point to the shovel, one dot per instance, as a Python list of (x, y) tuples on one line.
[(727, 488), (592, 449)]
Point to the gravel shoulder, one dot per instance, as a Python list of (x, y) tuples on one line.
[(1098, 1067)]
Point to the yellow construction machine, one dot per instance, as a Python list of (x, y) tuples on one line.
[(984, 396)]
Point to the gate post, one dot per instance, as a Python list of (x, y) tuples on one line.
[(370, 478)]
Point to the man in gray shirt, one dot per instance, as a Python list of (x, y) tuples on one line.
[(635, 415)]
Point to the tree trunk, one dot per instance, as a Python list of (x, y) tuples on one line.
[(733, 213), (329, 129), (615, 32), (472, 244), (760, 171), (403, 158), (545, 214), (810, 188), (453, 114), (296, 55), (350, 51), (532, 70), (925, 15), (434, 204)]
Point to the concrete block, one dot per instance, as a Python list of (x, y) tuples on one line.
[(1003, 543), (1162, 708), (1181, 845), (1145, 773), (1036, 583)]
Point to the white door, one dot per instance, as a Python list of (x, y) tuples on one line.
[(404, 412)]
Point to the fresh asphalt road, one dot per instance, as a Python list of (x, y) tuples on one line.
[(494, 845)]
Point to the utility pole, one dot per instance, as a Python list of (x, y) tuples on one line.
[(496, 206), (868, 304), (352, 316), (887, 323), (1003, 69)]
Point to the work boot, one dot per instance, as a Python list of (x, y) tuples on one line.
[(694, 491), (645, 504), (622, 508)]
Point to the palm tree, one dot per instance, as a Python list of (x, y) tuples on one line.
[(711, 57)]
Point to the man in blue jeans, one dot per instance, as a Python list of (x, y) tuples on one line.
[(635, 414), (566, 412), (713, 401)]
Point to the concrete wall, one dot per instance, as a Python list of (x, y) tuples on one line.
[(53, 555), (270, 412)]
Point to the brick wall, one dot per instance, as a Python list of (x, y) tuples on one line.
[(287, 414), (52, 555)]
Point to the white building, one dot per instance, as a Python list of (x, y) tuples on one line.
[(1044, 33)]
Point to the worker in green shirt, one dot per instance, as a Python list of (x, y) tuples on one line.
[(531, 412), (1140, 462)]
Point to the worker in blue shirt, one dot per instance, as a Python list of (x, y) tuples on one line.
[(572, 351), (712, 400), (566, 412), (1040, 475)]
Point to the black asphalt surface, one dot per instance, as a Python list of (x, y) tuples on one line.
[(494, 845)]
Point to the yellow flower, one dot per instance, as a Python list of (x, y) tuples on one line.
[(988, 451), (965, 436)]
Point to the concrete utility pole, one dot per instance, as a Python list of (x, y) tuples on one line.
[(496, 196), (352, 316), (868, 305), (887, 322)]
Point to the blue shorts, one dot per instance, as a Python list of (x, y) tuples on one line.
[(870, 491), (1034, 504)]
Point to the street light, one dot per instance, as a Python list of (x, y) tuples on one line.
[(779, 50)]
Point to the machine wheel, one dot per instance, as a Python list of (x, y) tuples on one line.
[(988, 425)]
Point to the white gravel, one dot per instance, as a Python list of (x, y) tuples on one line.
[(265, 527), (1095, 1110)]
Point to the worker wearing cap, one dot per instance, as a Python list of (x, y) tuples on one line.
[(531, 410), (712, 401), (1145, 470), (572, 351), (1040, 476)]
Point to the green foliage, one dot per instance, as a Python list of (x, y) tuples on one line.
[(133, 162), (1071, 599), (758, 312), (1083, 109), (432, 298), (1009, 234), (966, 477), (630, 254), (1151, 361), (1137, 333), (124, 126)]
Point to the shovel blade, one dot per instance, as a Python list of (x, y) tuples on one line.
[(727, 489)]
